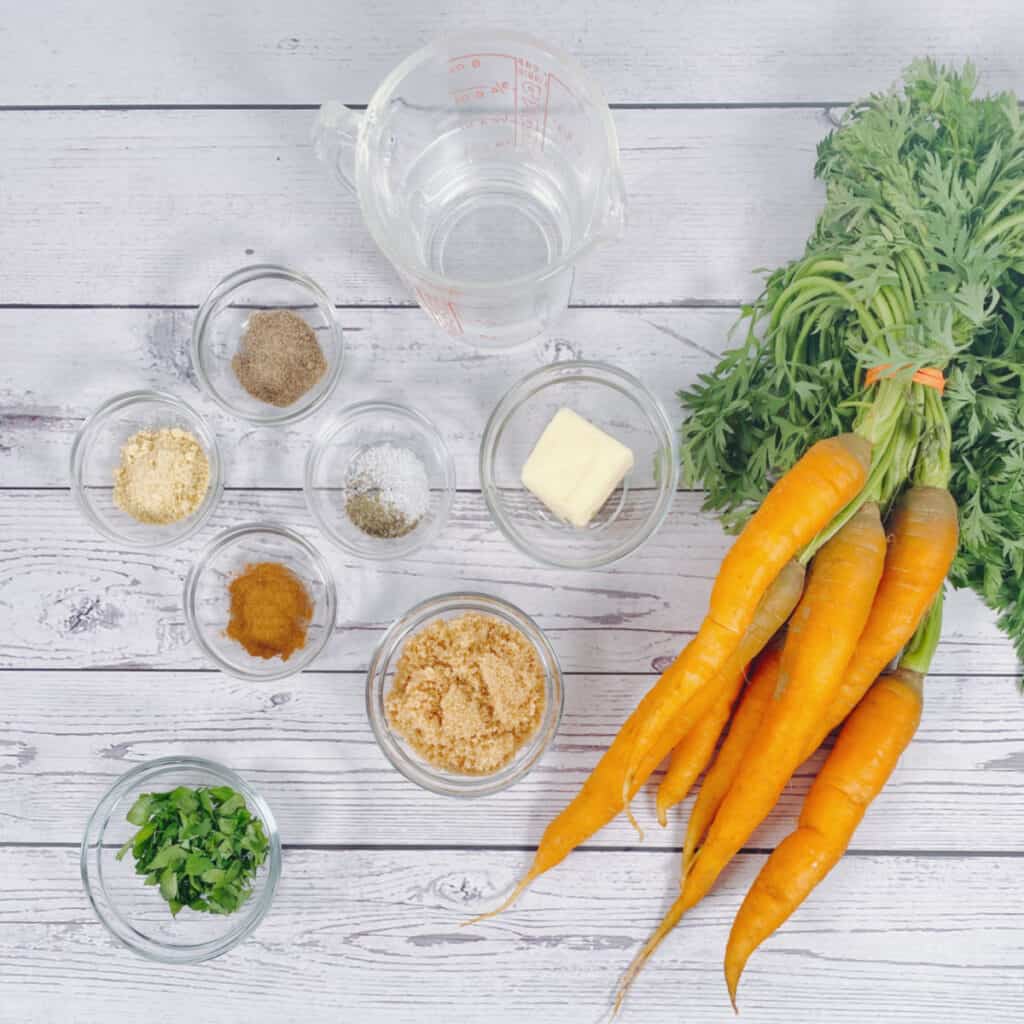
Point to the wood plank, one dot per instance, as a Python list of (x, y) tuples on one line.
[(262, 52), (148, 207), (72, 599), (306, 744), (130, 207), (61, 364), (375, 935)]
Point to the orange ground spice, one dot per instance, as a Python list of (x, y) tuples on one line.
[(270, 610)]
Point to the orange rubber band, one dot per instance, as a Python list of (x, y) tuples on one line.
[(929, 376)]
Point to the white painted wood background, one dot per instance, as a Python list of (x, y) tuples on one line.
[(150, 146)]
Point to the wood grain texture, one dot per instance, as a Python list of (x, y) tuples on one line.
[(129, 207), (376, 936), (73, 599), (260, 51), (306, 744), (61, 364), (148, 208)]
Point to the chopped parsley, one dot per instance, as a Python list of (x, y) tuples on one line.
[(202, 847)]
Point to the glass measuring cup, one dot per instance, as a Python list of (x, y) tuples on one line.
[(486, 165)]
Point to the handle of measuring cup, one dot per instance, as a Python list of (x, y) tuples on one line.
[(335, 132)]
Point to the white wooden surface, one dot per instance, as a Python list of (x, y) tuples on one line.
[(120, 203), (712, 194)]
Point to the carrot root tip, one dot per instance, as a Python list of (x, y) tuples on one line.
[(506, 903), (733, 973), (636, 824), (732, 984), (668, 922)]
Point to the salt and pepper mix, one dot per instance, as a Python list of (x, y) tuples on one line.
[(387, 491)]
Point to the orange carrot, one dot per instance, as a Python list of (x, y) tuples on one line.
[(720, 776), (695, 750), (821, 638), (802, 503), (869, 745), (923, 540), (601, 797)]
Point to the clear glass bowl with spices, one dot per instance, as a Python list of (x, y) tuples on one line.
[(136, 913), (266, 344), (146, 469), (260, 601), (380, 480), (464, 694)]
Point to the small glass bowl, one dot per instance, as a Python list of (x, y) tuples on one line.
[(96, 453), (353, 431), (136, 914), (207, 601), (619, 404), (223, 318), (381, 674)]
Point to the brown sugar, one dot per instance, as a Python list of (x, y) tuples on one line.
[(468, 692)]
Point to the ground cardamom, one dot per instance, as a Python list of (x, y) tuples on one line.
[(279, 358)]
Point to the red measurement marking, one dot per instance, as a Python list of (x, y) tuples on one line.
[(477, 56), (494, 88), (531, 90), (455, 318), (547, 103), (515, 105), (444, 314)]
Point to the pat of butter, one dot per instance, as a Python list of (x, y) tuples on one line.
[(575, 466)]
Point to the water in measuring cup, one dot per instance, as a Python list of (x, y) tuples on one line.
[(480, 218)]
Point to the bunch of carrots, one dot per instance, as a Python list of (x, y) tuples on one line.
[(814, 600)]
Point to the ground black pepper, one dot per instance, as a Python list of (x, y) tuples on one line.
[(378, 518)]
